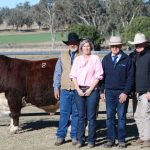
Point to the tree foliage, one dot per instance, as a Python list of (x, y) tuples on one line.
[(1, 18), (139, 24), (4, 13), (90, 32), (104, 16), (19, 16), (122, 12)]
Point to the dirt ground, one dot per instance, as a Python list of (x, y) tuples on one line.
[(38, 129)]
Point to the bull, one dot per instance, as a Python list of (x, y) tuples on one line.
[(26, 81)]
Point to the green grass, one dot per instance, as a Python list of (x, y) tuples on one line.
[(29, 38)]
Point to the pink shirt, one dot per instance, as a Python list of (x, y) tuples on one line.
[(86, 73)]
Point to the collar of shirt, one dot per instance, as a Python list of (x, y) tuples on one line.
[(72, 52), (119, 56), (72, 55)]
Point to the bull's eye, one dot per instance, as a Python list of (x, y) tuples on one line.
[(43, 65)]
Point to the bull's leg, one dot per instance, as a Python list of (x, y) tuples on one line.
[(15, 105)]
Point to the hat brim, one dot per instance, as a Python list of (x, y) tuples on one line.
[(66, 42), (76, 42), (134, 43), (115, 44)]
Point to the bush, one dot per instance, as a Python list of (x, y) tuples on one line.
[(139, 24), (90, 32)]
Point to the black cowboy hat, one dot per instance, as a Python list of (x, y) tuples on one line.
[(72, 38)]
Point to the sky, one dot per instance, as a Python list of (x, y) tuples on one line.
[(13, 3)]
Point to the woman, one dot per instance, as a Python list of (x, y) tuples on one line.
[(86, 73)]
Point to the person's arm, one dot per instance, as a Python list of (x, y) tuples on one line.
[(129, 82), (102, 83), (57, 79), (148, 92), (130, 77)]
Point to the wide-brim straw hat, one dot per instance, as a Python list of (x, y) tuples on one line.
[(138, 39), (115, 40)]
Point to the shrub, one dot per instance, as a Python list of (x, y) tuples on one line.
[(139, 24), (85, 31)]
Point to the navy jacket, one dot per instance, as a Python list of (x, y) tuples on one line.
[(119, 76)]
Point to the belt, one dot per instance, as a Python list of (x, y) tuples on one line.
[(70, 90), (84, 88)]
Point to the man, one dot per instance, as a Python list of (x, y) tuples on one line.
[(141, 58), (66, 94), (118, 80)]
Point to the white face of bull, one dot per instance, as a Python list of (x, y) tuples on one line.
[(4, 108)]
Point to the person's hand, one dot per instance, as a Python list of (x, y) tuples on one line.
[(87, 92), (102, 97), (57, 94), (122, 97), (80, 92), (148, 95)]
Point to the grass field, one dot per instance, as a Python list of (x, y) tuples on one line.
[(29, 38)]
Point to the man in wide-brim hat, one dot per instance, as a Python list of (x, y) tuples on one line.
[(64, 90), (141, 59), (118, 79)]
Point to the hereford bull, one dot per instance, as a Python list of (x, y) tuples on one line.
[(29, 81)]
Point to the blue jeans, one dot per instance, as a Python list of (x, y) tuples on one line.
[(67, 108), (87, 106), (112, 106)]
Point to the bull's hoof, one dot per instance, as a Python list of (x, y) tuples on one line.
[(13, 129)]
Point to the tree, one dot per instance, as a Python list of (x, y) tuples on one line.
[(28, 18), (15, 18), (27, 13), (88, 12), (4, 12), (38, 16), (139, 24), (50, 10), (21, 15), (1, 17), (122, 12)]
